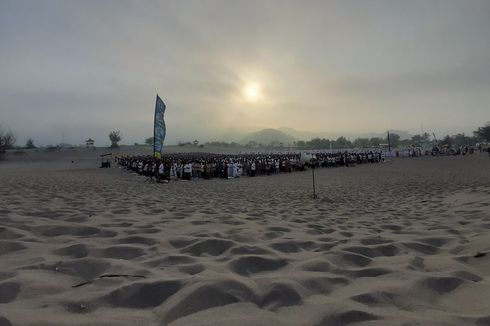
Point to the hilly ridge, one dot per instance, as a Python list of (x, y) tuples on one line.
[(267, 136), (286, 135)]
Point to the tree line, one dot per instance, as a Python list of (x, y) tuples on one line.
[(482, 134), (394, 141)]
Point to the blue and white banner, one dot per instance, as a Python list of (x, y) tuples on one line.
[(159, 128)]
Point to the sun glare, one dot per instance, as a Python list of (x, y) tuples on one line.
[(251, 92)]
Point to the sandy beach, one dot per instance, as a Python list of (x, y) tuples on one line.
[(401, 243)]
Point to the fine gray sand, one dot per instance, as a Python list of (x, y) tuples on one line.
[(401, 243)]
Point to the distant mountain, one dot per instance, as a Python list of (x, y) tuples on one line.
[(302, 135), (268, 136), (288, 136), (308, 135)]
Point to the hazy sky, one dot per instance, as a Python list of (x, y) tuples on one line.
[(81, 68)]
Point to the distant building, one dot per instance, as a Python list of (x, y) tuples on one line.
[(90, 143)]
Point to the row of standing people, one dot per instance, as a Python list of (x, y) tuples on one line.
[(208, 166)]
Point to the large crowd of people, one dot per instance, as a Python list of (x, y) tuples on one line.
[(189, 166)]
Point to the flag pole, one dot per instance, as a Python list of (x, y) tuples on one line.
[(389, 143), (313, 179), (154, 122)]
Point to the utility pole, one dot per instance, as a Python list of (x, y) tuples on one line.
[(389, 143), (313, 176)]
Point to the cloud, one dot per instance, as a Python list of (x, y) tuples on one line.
[(91, 66)]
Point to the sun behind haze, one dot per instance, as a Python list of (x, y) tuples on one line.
[(252, 92), (78, 69)]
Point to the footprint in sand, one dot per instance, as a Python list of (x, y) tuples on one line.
[(347, 318), (247, 265), (142, 294), (9, 291)]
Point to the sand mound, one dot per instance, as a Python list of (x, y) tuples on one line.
[(9, 234), (248, 265), (249, 250), (347, 318), (368, 272), (237, 314), (205, 296), (5, 276), (122, 252), (322, 284), (483, 321), (74, 251), (4, 321), (350, 260), (71, 230), (85, 268), (278, 295), (7, 247), (143, 295), (293, 246), (376, 251), (441, 285), (182, 242), (421, 248), (192, 269), (374, 298), (171, 260), (8, 291), (375, 241), (213, 247), (137, 240), (317, 266)]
